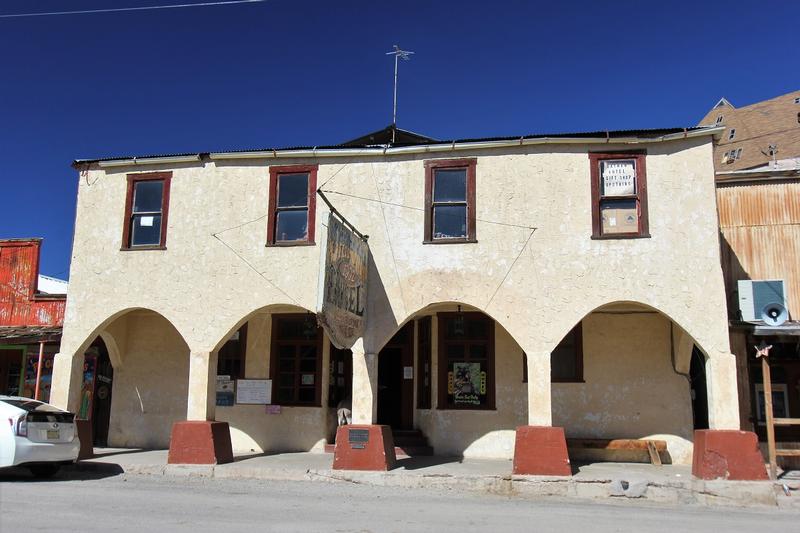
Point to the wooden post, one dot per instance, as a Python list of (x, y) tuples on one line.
[(38, 371), (767, 380)]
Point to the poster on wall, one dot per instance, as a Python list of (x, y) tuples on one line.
[(87, 388), (254, 391), (29, 384), (225, 391), (467, 383)]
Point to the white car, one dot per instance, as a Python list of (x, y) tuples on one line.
[(36, 435)]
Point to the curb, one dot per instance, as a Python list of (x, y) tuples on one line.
[(716, 493)]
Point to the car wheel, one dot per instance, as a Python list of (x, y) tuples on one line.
[(44, 471)]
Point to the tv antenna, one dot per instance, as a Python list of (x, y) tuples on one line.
[(404, 55)]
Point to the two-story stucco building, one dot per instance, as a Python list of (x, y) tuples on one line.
[(537, 282)]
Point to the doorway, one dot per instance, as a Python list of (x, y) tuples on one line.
[(11, 370), (396, 380)]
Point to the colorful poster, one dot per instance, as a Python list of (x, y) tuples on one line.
[(31, 366), (467, 383), (87, 390)]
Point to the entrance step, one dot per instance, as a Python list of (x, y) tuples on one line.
[(407, 443)]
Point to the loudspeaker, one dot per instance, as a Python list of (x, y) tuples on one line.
[(774, 314)]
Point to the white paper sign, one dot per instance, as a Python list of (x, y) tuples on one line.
[(254, 391), (619, 177), (408, 372), (146, 221)]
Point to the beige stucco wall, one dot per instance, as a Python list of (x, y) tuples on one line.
[(475, 433), (294, 429), (205, 288), (150, 386), (630, 389)]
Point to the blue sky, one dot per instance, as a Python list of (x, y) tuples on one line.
[(283, 73)]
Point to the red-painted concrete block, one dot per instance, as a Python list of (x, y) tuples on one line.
[(86, 436), (727, 454), (364, 447), (541, 451), (200, 443)]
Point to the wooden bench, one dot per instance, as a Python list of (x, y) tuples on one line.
[(654, 448)]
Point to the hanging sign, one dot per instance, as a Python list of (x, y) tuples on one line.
[(342, 293), (619, 177)]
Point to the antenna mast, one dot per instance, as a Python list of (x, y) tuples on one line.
[(405, 55)]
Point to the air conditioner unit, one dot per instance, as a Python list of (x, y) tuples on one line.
[(755, 295)]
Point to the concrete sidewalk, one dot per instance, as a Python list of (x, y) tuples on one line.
[(672, 484)]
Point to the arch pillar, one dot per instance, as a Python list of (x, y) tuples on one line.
[(364, 445), (540, 448), (200, 439)]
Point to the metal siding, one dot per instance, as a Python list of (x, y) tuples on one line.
[(19, 265), (763, 252), (758, 204)]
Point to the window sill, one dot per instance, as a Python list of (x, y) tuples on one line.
[(621, 236), (138, 248), (451, 241), (297, 404), (289, 244), (453, 408)]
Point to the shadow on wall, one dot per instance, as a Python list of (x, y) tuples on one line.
[(381, 325), (733, 271), (150, 387)]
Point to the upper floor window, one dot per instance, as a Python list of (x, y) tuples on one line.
[(720, 119), (292, 205), (450, 201), (146, 209), (619, 195), (732, 134)]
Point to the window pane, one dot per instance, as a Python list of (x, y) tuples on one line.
[(477, 351), (286, 380), (449, 221), (147, 196), (285, 395), (307, 395), (146, 230), (292, 225), (450, 185), (564, 359), (292, 190), (618, 177), (619, 216), (455, 351), (308, 365)]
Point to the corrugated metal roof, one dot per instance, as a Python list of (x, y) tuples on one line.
[(415, 139)]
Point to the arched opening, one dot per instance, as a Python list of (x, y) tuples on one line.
[(135, 380), (450, 382), (273, 375), (627, 371)]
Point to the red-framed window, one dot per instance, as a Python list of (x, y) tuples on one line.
[(292, 205), (619, 195), (296, 360), (466, 361), (146, 211), (450, 201)]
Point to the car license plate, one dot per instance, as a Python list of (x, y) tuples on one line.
[(52, 434)]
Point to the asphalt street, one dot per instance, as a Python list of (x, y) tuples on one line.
[(156, 504)]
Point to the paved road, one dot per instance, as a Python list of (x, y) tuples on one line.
[(156, 504)]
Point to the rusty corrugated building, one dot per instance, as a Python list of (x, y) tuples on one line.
[(30, 319), (758, 197)]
